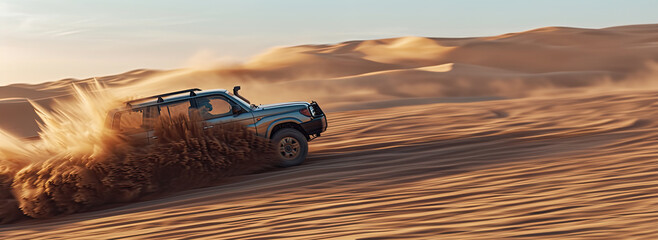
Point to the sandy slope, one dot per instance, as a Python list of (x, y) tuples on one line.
[(568, 167), (548, 133)]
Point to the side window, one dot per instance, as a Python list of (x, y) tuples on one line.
[(151, 115), (131, 121), (214, 106), (135, 120), (175, 109)]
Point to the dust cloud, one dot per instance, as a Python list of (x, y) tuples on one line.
[(106, 167)]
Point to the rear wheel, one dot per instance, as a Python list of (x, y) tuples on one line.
[(291, 147)]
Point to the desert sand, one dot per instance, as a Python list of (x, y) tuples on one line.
[(545, 134)]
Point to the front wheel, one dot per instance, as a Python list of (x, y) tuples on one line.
[(291, 147)]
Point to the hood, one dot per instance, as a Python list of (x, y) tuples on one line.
[(281, 105)]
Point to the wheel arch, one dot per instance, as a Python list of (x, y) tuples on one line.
[(285, 123)]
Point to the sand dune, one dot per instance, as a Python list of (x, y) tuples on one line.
[(568, 168), (547, 133), (506, 66)]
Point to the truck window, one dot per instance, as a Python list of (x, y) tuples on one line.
[(131, 121), (212, 107), (135, 120), (175, 109), (151, 115)]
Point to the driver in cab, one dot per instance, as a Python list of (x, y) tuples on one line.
[(204, 109)]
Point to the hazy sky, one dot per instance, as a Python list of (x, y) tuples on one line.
[(49, 40)]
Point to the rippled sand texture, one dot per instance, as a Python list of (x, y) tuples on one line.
[(568, 167)]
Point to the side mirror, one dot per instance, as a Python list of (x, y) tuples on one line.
[(236, 110)]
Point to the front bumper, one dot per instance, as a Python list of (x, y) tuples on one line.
[(315, 126)]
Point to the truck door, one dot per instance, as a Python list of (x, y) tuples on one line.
[(167, 111), (218, 109)]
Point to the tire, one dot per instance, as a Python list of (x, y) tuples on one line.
[(291, 147)]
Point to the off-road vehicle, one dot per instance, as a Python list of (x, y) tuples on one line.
[(289, 125)]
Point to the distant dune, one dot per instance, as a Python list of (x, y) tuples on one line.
[(543, 134), (506, 66)]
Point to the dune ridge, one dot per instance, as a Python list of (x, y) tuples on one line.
[(557, 59)]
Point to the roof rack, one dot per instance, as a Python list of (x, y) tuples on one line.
[(160, 96)]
